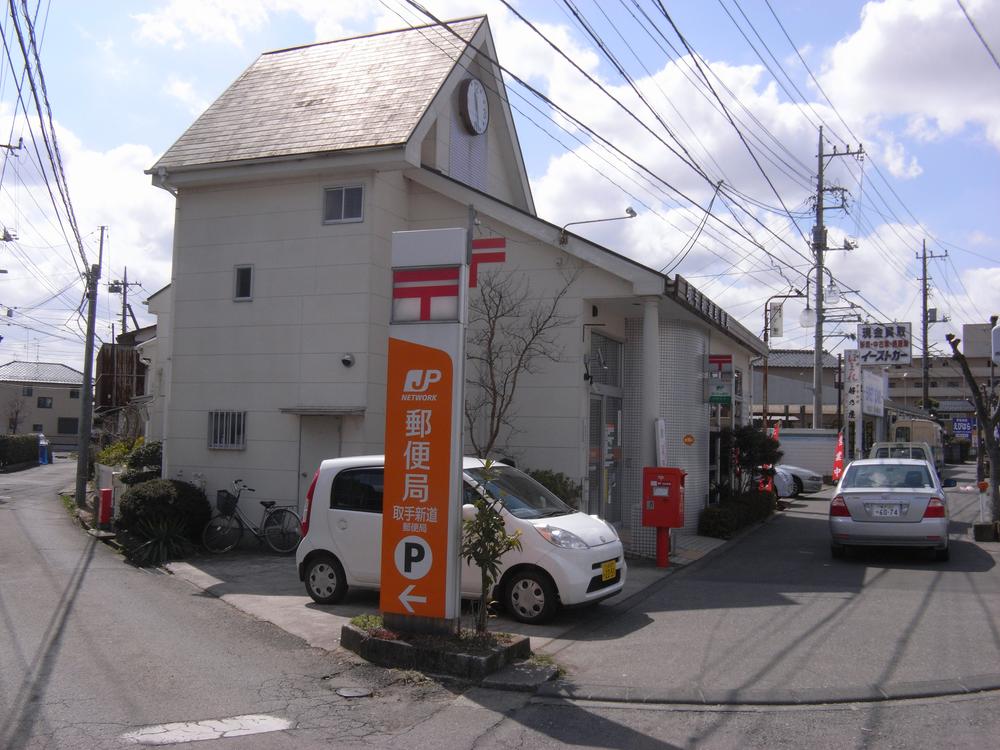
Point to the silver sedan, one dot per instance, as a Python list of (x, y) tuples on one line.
[(890, 502), (805, 481)]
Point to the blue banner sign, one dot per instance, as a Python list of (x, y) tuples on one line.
[(963, 427)]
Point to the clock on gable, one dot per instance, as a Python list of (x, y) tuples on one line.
[(474, 106)]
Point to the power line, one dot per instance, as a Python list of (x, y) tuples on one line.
[(972, 23)]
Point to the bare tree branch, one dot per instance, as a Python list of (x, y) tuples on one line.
[(988, 413), (509, 335)]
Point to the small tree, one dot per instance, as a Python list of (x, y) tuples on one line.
[(988, 412), (754, 449), (15, 414), (508, 337), (484, 542)]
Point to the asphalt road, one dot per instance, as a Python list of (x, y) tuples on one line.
[(94, 649), (775, 613), (98, 654)]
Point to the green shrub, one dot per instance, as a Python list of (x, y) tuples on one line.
[(116, 453), (164, 500), (558, 484), (18, 449), (143, 464), (162, 540), (724, 520), (719, 521)]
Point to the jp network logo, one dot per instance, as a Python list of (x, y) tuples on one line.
[(418, 382)]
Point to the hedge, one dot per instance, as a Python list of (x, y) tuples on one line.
[(18, 449), (162, 501), (724, 520)]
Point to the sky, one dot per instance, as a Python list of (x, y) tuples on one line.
[(910, 80)]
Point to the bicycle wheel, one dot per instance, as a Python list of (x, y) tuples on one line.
[(222, 533), (282, 531)]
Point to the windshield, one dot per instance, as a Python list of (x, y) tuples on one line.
[(886, 476), (521, 495)]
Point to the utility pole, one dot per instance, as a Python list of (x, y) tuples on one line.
[(819, 247), (120, 286), (925, 364), (87, 390)]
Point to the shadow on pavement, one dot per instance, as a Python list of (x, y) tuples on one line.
[(572, 725)]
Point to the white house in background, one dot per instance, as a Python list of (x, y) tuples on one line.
[(272, 335), (45, 397)]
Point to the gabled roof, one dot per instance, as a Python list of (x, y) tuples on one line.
[(360, 93), (798, 358), (39, 372), (948, 405)]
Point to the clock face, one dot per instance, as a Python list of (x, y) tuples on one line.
[(475, 106)]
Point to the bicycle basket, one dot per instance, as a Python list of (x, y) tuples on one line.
[(225, 501)]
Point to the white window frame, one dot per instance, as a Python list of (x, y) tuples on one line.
[(227, 430), (344, 189), (236, 283)]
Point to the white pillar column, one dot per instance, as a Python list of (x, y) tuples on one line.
[(650, 379)]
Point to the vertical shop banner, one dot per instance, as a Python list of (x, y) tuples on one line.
[(421, 516), (853, 384)]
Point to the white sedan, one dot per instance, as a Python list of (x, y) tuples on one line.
[(804, 480)]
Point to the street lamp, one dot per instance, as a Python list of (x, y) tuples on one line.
[(767, 329), (905, 394)]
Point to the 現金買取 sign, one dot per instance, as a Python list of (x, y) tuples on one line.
[(885, 343)]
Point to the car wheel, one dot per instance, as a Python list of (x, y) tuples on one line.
[(530, 596), (798, 486), (325, 581), (837, 550), (942, 555)]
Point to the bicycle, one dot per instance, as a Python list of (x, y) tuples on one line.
[(280, 528)]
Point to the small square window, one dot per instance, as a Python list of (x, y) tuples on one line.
[(27, 391), (343, 204), (45, 402), (227, 430), (244, 283), (36, 428), (74, 393)]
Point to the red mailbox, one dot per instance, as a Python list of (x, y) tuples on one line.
[(663, 497), (663, 506)]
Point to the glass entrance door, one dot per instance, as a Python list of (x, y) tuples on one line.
[(604, 464)]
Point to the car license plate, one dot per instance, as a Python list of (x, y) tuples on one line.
[(608, 570), (885, 511)]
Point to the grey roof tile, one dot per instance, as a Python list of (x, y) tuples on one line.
[(354, 93), (797, 358), (39, 372)]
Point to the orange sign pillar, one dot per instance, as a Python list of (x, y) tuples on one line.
[(421, 518)]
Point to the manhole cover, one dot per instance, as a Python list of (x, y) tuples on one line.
[(353, 692)]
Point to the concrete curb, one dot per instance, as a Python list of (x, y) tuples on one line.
[(772, 696)]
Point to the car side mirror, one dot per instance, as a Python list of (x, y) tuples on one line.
[(949, 483), (469, 512)]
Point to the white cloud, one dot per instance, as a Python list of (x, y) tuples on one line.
[(184, 92), (919, 59), (107, 188), (895, 158)]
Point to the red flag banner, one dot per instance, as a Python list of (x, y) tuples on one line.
[(838, 458)]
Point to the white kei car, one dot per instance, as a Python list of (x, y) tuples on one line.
[(567, 558)]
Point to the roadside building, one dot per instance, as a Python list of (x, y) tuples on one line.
[(42, 397), (271, 339), (948, 393), (119, 377), (789, 374)]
